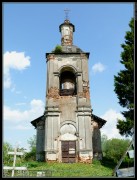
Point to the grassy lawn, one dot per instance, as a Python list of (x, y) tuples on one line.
[(96, 169)]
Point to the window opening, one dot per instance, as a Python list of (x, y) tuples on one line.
[(67, 83)]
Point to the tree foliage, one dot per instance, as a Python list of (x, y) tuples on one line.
[(113, 149), (32, 142), (31, 155), (8, 159), (6, 148), (124, 83)]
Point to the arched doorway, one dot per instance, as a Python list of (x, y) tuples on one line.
[(68, 149), (68, 143)]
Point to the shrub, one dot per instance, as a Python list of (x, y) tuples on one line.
[(115, 148), (31, 155), (58, 49)]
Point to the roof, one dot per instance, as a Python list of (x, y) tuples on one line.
[(37, 120), (72, 48), (95, 118), (69, 50), (99, 120), (67, 22)]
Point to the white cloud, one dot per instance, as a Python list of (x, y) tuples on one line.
[(98, 67), (15, 115), (14, 60), (109, 128), (7, 80)]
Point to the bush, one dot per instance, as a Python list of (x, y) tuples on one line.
[(7, 159), (108, 162), (31, 155), (114, 149), (127, 162), (58, 49)]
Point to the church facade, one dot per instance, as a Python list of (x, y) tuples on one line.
[(68, 131)]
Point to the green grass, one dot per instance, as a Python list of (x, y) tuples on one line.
[(96, 169)]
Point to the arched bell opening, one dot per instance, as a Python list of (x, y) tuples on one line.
[(67, 83)]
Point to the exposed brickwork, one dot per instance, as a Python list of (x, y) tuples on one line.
[(65, 97), (80, 94), (85, 93), (67, 41), (51, 161), (53, 92), (86, 160)]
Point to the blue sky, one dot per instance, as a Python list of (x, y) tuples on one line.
[(32, 29)]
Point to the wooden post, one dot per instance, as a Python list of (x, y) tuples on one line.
[(14, 161)]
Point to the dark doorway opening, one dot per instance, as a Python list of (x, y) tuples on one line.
[(67, 83), (68, 151)]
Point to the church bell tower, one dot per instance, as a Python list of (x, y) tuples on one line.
[(68, 108), (65, 131)]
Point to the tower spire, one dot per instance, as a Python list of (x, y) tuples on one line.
[(66, 30), (66, 12)]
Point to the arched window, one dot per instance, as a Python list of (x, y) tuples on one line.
[(67, 83)]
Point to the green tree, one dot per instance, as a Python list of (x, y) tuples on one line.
[(31, 155), (115, 148), (32, 142), (6, 148), (124, 83)]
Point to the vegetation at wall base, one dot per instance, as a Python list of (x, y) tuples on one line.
[(96, 169), (113, 150)]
